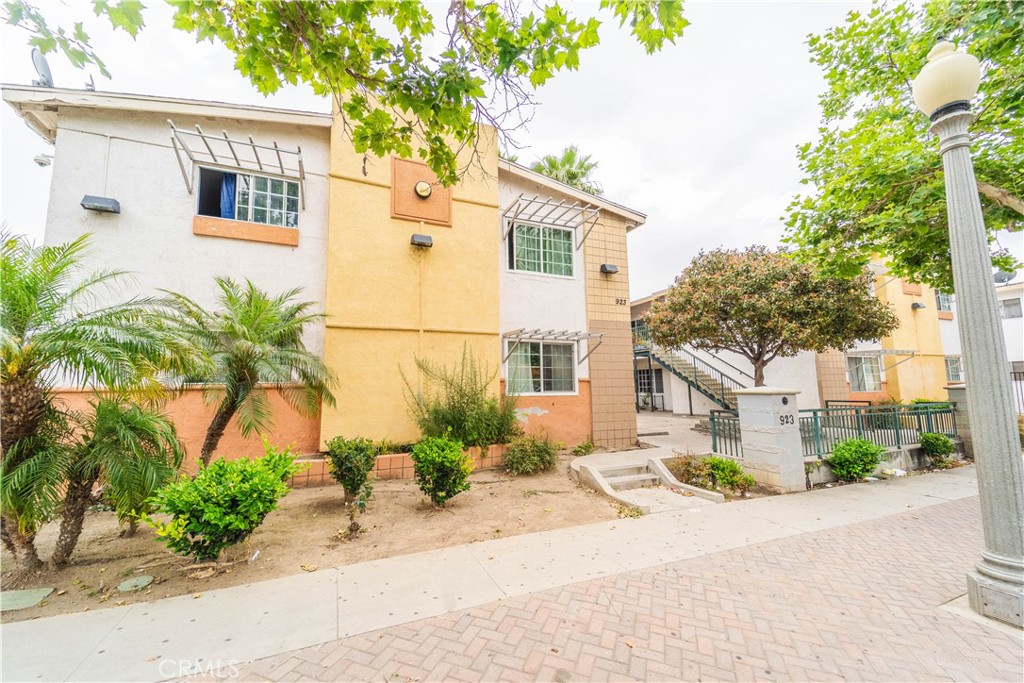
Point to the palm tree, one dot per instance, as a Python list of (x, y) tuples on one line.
[(54, 328), (133, 451), (255, 340), (570, 168)]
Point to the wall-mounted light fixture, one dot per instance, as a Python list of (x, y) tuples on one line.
[(101, 204), (423, 189), (917, 306), (609, 268), (425, 241)]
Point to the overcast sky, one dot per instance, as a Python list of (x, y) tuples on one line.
[(701, 137)]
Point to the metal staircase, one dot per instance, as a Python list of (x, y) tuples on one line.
[(696, 372)]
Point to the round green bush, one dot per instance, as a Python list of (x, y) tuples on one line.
[(729, 474), (854, 459), (442, 470), (223, 504), (530, 455), (937, 446)]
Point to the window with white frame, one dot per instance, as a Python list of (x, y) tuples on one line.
[(1010, 308), (248, 197), (540, 367), (865, 373), (954, 369), (643, 381), (943, 302), (539, 249)]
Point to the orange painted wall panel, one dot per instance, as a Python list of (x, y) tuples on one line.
[(192, 415)]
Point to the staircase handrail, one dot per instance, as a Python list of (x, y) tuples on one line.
[(700, 365), (719, 359)]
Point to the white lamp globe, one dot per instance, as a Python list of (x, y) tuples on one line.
[(949, 77)]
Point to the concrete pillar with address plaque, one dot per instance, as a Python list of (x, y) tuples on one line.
[(770, 432)]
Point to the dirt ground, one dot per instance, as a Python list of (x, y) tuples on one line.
[(302, 535)]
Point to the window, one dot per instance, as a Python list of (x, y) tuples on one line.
[(943, 302), (954, 370), (540, 250), (539, 367), (246, 197), (1009, 308), (865, 373), (643, 381)]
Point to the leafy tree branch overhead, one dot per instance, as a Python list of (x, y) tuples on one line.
[(404, 84), (874, 174)]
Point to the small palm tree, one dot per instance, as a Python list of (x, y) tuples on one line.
[(570, 168), (132, 451), (255, 340), (53, 327)]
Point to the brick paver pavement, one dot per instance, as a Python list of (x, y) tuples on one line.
[(859, 602)]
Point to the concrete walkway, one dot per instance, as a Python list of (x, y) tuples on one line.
[(222, 630)]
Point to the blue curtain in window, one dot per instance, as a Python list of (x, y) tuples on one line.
[(227, 196)]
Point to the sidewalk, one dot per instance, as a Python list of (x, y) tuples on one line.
[(844, 582)]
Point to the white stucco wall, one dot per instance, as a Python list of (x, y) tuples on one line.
[(949, 333), (1013, 328), (798, 372), (128, 156), (534, 300)]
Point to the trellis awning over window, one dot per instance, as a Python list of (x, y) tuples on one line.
[(223, 151), (538, 335), (580, 218)]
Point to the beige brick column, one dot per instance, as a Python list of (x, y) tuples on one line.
[(613, 405)]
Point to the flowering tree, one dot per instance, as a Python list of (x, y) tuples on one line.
[(763, 304)]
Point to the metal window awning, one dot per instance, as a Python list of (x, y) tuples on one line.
[(878, 353), (232, 153), (552, 212), (523, 334)]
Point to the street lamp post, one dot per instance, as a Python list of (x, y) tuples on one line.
[(943, 91)]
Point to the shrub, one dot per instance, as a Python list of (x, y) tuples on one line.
[(1020, 429), (692, 470), (456, 403), (728, 474), (937, 447), (442, 469), (223, 504), (350, 463), (585, 448), (854, 459), (530, 455)]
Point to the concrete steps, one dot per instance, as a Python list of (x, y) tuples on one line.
[(639, 482)]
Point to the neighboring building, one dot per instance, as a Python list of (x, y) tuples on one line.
[(916, 361), (536, 288), (1011, 297)]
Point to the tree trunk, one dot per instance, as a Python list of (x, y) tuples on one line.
[(22, 546), (22, 408), (72, 516), (220, 423), (759, 373), (133, 526)]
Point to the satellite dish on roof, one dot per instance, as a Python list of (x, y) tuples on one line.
[(1002, 277), (42, 68)]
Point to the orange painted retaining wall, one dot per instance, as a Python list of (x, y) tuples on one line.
[(562, 418), (191, 415), (391, 466)]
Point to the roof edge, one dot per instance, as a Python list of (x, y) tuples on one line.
[(24, 98), (595, 200)]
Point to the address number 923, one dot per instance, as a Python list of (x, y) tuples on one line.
[(786, 420)]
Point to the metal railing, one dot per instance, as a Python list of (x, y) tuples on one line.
[(725, 433), (890, 426)]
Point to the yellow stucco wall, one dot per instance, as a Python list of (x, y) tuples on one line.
[(389, 302), (924, 375)]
